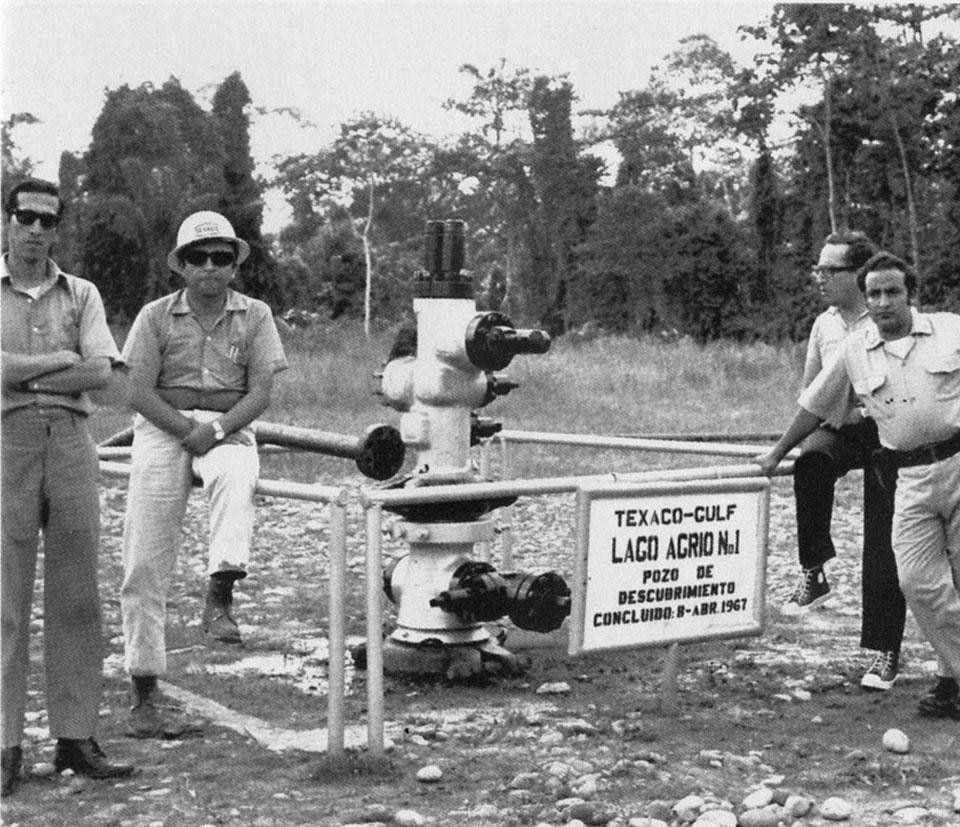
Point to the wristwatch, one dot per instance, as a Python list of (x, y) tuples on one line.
[(218, 432)]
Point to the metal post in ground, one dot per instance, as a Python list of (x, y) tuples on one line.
[(669, 703), (337, 628), (375, 700)]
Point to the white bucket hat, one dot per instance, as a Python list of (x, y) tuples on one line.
[(205, 225)]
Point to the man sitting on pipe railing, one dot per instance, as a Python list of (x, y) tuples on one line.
[(201, 367)]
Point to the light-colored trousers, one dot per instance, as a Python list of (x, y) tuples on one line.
[(160, 481), (51, 487), (926, 542)]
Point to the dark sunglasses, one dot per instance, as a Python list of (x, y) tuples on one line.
[(198, 258), (28, 218), (828, 270)]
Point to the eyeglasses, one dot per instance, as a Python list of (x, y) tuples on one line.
[(27, 218), (198, 258), (828, 271)]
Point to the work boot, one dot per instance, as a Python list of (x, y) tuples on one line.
[(84, 757), (218, 620), (12, 759), (145, 720)]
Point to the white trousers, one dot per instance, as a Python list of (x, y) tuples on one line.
[(926, 543), (160, 482)]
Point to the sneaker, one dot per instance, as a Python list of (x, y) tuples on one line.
[(943, 701), (883, 672), (813, 590)]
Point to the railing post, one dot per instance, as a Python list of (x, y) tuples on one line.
[(337, 628), (375, 700)]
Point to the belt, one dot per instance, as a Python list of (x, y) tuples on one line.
[(927, 454)]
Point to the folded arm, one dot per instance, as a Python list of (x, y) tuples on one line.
[(60, 371)]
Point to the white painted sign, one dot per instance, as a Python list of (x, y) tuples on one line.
[(659, 563)]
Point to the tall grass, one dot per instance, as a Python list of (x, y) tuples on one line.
[(608, 385)]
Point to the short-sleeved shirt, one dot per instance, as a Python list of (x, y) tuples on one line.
[(827, 334), (67, 316), (910, 388), (168, 342)]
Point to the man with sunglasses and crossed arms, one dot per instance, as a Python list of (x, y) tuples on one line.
[(56, 347), (201, 363), (827, 454)]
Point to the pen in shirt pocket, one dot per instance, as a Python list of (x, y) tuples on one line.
[(233, 353)]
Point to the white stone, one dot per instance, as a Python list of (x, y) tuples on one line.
[(585, 786), (912, 815), (797, 806), (559, 770), (486, 811), (836, 809), (691, 802), (643, 821), (408, 818), (429, 774), (716, 818), (42, 769), (896, 740), (766, 817), (758, 798), (558, 688)]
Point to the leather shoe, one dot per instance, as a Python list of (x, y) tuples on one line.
[(942, 701), (85, 757), (12, 759)]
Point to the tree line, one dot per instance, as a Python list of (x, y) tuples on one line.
[(707, 229)]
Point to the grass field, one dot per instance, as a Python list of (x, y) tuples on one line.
[(607, 385)]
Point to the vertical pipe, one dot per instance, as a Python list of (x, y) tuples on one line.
[(374, 632), (506, 533), (337, 633), (483, 547)]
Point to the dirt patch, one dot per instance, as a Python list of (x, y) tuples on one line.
[(783, 710)]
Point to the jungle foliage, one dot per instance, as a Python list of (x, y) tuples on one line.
[(706, 228)]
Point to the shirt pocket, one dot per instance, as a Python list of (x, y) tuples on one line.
[(945, 372), (870, 390), (228, 362)]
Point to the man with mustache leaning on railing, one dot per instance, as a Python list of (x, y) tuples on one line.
[(201, 363), (906, 373)]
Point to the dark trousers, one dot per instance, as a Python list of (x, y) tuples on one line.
[(825, 456)]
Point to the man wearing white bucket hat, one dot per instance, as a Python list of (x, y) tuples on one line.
[(201, 365)]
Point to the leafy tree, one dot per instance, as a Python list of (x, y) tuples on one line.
[(705, 267), (619, 282), (155, 153), (566, 186), (15, 166), (241, 196), (372, 158)]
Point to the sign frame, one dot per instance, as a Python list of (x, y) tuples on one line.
[(588, 493)]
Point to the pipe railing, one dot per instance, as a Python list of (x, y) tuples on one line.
[(696, 444), (336, 498), (375, 500)]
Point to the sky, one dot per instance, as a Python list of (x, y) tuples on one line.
[(329, 59)]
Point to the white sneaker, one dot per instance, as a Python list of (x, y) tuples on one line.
[(883, 672)]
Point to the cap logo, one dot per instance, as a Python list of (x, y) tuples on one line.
[(209, 228)]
